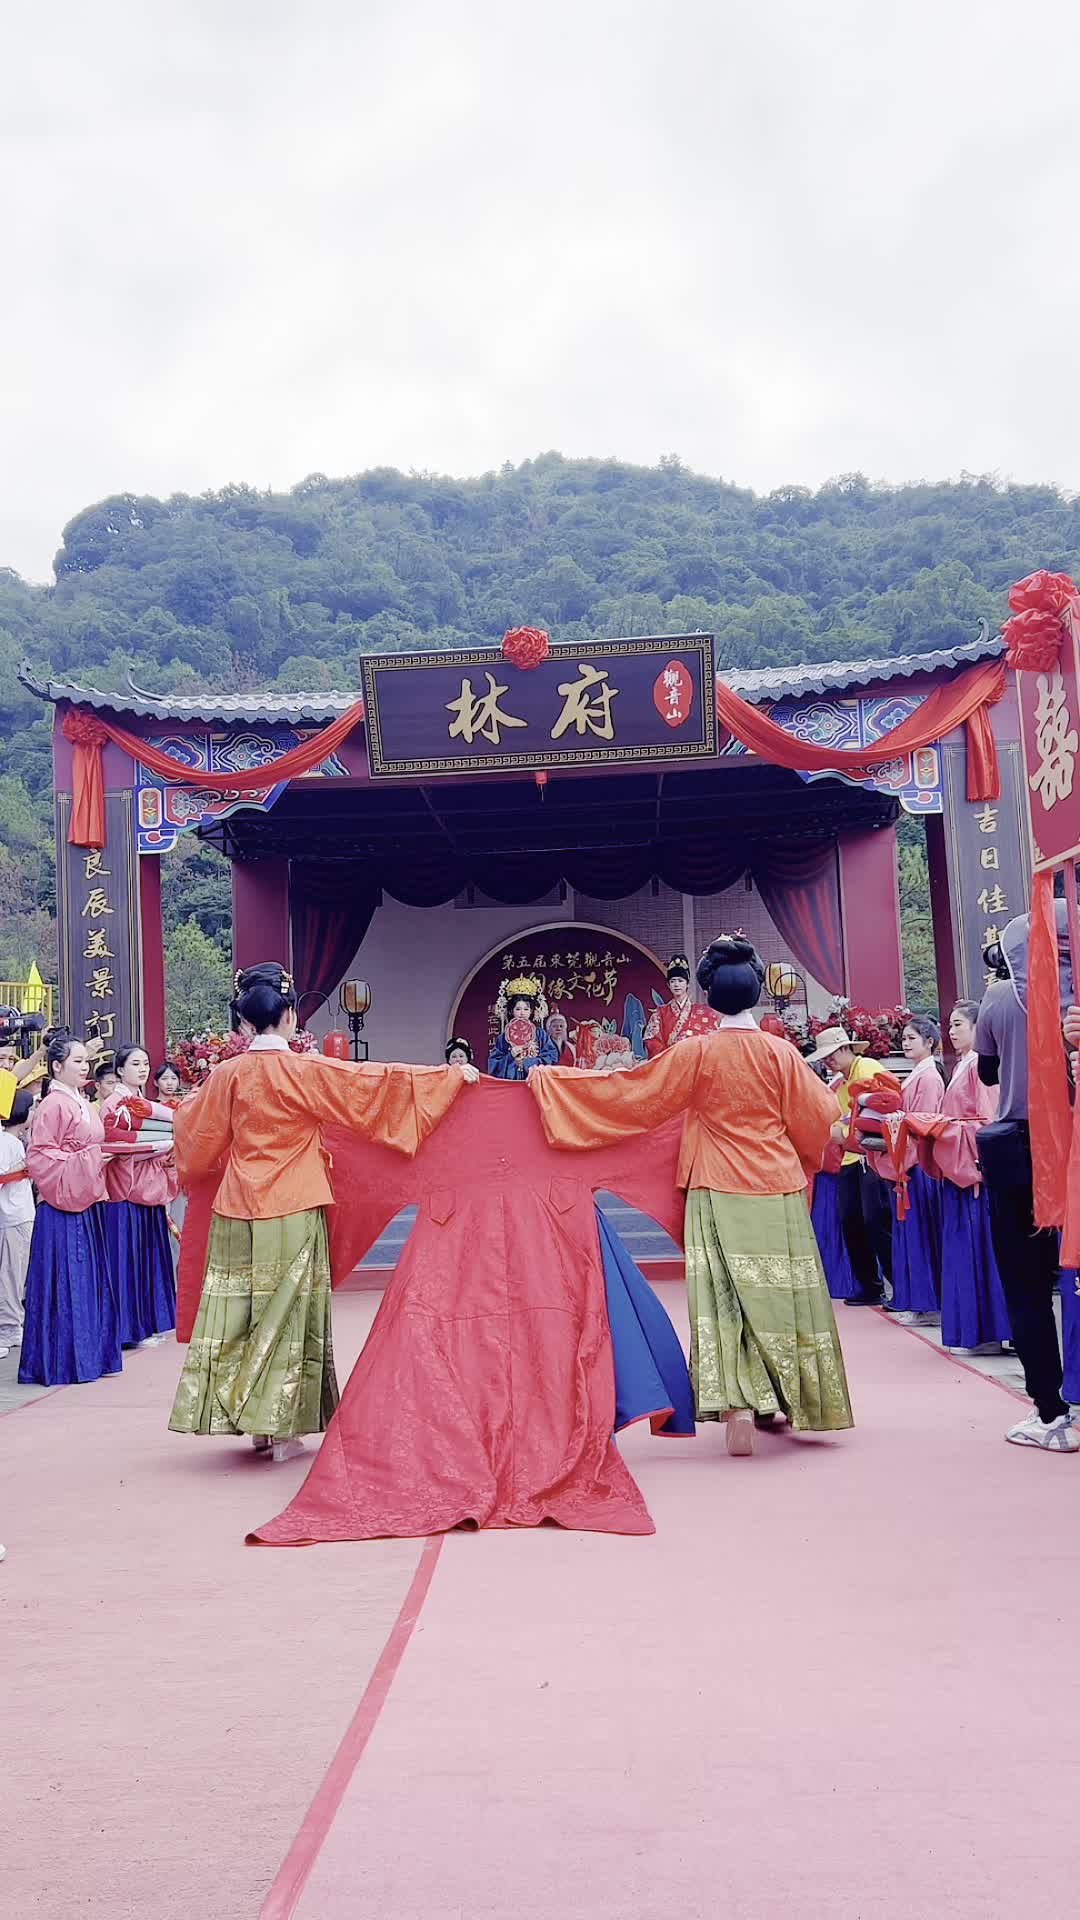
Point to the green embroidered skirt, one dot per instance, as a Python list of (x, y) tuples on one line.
[(261, 1357), (762, 1331)]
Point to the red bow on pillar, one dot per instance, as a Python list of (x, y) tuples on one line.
[(88, 737)]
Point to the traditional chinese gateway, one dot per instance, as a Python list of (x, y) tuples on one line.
[(576, 814)]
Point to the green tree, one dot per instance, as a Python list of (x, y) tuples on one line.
[(198, 982)]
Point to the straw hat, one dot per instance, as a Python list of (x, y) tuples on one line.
[(830, 1040)]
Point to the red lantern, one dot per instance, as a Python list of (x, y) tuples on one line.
[(772, 1023), (336, 1045)]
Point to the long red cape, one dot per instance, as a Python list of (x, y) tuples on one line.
[(485, 1391)]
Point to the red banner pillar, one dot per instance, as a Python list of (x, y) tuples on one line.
[(870, 915), (260, 891)]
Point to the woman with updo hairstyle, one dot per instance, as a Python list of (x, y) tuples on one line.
[(974, 1317), (916, 1264), (71, 1330), (141, 1182), (763, 1339), (261, 1357)]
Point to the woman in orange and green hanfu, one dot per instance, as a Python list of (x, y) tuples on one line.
[(763, 1338), (261, 1360)]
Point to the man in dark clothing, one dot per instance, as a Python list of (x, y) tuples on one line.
[(1027, 1259)]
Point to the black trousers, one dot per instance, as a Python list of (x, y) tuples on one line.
[(1028, 1264), (866, 1224)]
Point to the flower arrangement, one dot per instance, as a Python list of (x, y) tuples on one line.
[(881, 1028), (194, 1058)]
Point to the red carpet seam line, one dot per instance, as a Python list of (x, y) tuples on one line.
[(296, 1868)]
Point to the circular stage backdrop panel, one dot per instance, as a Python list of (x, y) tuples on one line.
[(600, 988)]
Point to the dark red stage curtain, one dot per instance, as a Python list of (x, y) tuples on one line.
[(331, 909), (801, 890)]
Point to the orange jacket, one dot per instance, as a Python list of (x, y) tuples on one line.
[(259, 1118), (757, 1117)]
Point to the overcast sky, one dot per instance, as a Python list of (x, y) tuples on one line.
[(251, 240)]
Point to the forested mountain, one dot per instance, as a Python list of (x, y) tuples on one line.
[(241, 588)]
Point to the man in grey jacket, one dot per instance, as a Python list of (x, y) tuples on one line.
[(1027, 1260)]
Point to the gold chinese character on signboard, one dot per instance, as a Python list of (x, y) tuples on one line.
[(92, 866), (993, 900), (1056, 742), (987, 819), (587, 704), (97, 946), (97, 905), (103, 1024), (990, 934), (988, 858), (101, 985), (480, 713)]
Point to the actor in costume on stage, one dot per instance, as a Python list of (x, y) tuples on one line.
[(974, 1317), (524, 1042), (141, 1187), (261, 1359), (917, 1235), (72, 1326), (682, 1018), (650, 1370), (762, 1334)]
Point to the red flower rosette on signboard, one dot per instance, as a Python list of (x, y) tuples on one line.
[(1042, 592), (1033, 640), (526, 647), (1034, 632)]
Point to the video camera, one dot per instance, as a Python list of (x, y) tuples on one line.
[(22, 1031)]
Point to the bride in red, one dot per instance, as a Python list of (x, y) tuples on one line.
[(683, 1017)]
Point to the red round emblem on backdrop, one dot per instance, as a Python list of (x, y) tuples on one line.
[(673, 693)]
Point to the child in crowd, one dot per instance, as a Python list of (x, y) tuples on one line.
[(16, 1221)]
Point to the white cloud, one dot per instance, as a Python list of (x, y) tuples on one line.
[(244, 242)]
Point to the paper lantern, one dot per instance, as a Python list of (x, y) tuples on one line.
[(355, 998), (336, 1046), (772, 1023), (780, 981)]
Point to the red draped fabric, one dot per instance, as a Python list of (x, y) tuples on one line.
[(1048, 1085), (963, 701), (485, 1391), (331, 910), (800, 887)]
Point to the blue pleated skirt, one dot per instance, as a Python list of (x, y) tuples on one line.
[(917, 1247), (825, 1215), (140, 1256), (972, 1302), (72, 1326), (1070, 1336), (652, 1381)]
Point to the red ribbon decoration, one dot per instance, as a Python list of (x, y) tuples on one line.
[(964, 702), (88, 734), (526, 647)]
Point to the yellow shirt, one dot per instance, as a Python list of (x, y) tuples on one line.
[(9, 1086), (861, 1069)]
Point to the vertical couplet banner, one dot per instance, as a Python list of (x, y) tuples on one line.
[(986, 844), (98, 910)]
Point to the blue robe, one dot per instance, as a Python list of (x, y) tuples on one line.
[(651, 1377)]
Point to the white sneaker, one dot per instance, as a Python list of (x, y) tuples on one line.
[(1053, 1436), (989, 1350), (291, 1449), (152, 1340), (4, 1351)]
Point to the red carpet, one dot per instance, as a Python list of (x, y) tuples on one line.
[(839, 1682)]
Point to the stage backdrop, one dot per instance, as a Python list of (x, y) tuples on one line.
[(588, 974)]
